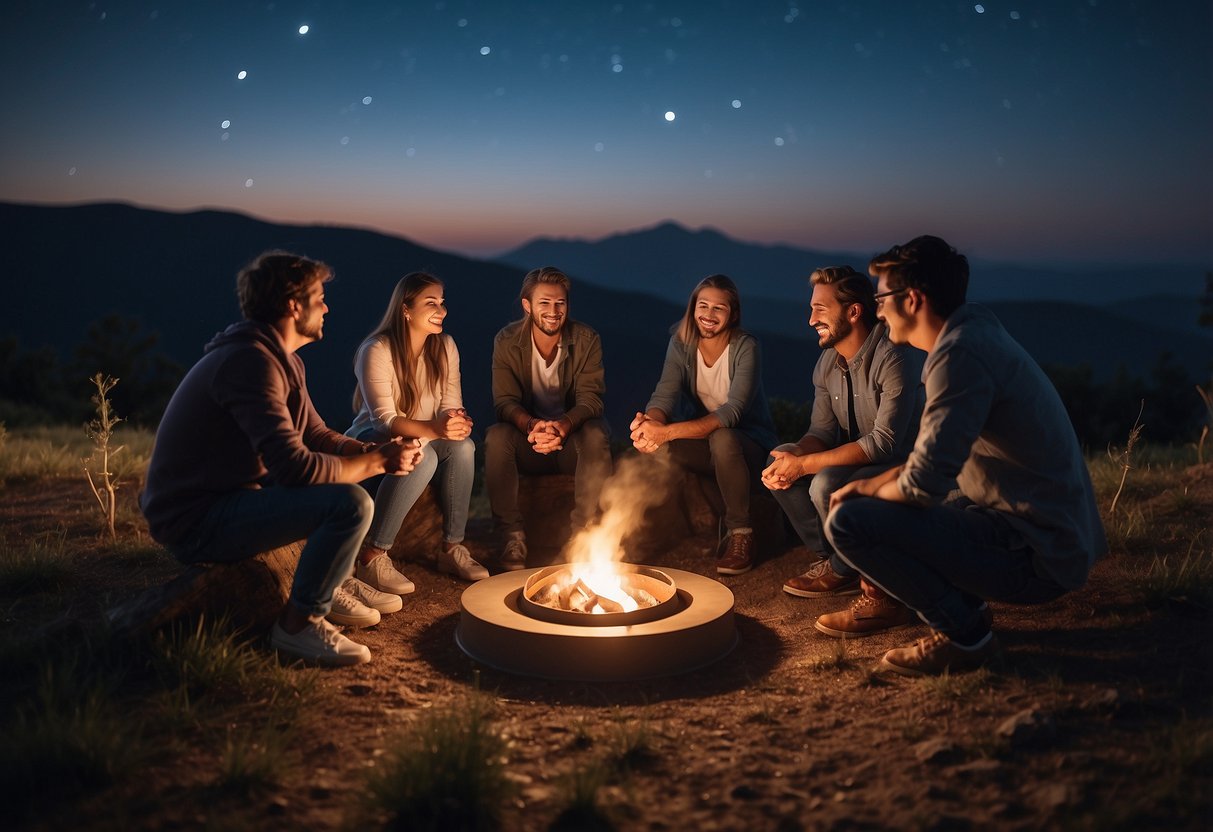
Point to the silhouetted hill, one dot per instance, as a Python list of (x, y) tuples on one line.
[(668, 259), (175, 272), (1107, 318)]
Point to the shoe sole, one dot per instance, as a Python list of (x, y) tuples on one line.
[(455, 573), (388, 607), (885, 664), (511, 567), (804, 593), (325, 661), (725, 570), (832, 633), (354, 621)]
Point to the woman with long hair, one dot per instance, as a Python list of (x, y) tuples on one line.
[(409, 386)]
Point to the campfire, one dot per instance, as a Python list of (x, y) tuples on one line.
[(596, 617)]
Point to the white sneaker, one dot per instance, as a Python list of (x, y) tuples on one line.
[(348, 611), (382, 575), (319, 643), (513, 556), (384, 602), (458, 561)]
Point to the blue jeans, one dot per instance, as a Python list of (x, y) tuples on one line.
[(807, 501), (333, 517), (454, 463), (940, 561)]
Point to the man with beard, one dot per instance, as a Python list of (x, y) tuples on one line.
[(866, 405), (242, 462), (993, 427), (709, 408), (547, 391)]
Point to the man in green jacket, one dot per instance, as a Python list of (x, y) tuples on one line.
[(547, 391)]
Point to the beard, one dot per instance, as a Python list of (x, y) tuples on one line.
[(311, 327), (546, 329), (836, 331)]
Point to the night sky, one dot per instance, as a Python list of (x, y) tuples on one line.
[(1066, 130)]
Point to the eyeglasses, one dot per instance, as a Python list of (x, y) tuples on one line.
[(880, 296)]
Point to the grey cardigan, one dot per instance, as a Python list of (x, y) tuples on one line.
[(746, 409)]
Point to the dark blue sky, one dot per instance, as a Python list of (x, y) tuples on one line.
[(1075, 130)]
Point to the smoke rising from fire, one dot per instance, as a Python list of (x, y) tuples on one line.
[(639, 483)]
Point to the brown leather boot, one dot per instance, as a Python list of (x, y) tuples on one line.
[(738, 558), (874, 611)]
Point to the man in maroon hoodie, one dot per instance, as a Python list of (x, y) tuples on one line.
[(243, 463)]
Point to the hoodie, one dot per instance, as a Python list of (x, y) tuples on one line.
[(241, 418)]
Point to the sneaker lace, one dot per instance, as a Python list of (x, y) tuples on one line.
[(818, 569), (738, 543), (931, 643), (344, 597), (327, 633), (460, 554)]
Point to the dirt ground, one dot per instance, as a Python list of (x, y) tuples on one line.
[(1097, 716)]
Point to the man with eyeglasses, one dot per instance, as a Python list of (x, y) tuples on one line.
[(1028, 528), (866, 405)]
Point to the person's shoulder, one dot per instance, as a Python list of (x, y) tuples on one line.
[(508, 332), (578, 329)]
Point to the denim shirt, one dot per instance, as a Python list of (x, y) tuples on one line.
[(746, 410), (994, 425), (887, 382)]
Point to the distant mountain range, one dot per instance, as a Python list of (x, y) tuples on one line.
[(66, 267), (668, 259)]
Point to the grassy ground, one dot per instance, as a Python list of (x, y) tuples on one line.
[(1098, 716)]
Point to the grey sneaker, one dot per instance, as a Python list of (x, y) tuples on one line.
[(348, 611), (458, 561), (384, 602), (383, 575), (513, 556), (319, 643)]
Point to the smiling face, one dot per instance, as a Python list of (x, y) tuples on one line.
[(427, 311), (828, 316), (712, 311), (548, 308)]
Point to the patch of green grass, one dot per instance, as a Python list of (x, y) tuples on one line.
[(210, 661), (631, 743), (961, 687), (34, 453), (578, 793), (72, 738), (446, 772), (1187, 579), (43, 564), (836, 658), (251, 762)]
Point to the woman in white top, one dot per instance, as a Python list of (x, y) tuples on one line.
[(408, 385)]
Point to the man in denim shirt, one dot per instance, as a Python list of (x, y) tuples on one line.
[(866, 406), (994, 426)]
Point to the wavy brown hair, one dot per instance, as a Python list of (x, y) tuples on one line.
[(395, 330)]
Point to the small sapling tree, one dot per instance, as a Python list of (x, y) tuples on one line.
[(101, 431)]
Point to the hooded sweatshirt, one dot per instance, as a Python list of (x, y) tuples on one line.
[(241, 418)]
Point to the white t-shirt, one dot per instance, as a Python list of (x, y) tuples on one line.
[(545, 383), (712, 383)]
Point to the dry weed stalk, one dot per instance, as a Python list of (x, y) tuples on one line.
[(1207, 397), (1125, 458), (101, 431)]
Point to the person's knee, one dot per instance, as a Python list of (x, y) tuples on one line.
[(725, 442), (464, 450), (353, 501), (499, 439)]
